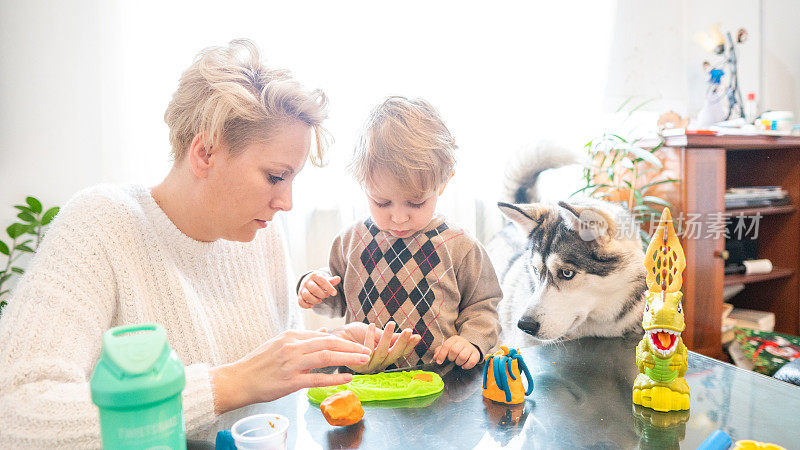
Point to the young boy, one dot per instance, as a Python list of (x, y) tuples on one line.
[(405, 263)]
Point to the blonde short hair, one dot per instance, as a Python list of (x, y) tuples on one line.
[(231, 96), (408, 139)]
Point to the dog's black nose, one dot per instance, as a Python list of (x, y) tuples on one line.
[(529, 326)]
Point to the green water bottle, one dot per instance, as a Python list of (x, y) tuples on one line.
[(137, 385)]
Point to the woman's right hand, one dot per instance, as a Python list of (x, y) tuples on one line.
[(315, 287), (281, 366)]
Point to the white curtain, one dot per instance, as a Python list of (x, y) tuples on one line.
[(501, 74)]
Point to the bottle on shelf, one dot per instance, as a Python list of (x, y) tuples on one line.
[(750, 108)]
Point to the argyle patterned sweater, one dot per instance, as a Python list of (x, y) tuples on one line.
[(438, 282)]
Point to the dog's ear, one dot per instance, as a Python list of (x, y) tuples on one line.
[(590, 223), (528, 216)]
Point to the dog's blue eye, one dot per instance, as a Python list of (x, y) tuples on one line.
[(646, 306), (566, 274)]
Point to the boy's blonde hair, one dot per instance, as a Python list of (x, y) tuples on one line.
[(232, 97), (408, 139)]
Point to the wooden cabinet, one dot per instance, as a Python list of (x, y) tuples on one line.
[(707, 165)]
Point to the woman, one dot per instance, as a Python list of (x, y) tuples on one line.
[(196, 253)]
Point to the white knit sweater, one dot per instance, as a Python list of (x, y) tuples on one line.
[(112, 257)]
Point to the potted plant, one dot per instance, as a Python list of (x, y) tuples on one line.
[(24, 237), (621, 171)]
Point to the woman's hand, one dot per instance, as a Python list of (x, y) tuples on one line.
[(282, 365), (386, 345), (460, 350)]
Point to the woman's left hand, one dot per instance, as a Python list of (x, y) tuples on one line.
[(386, 345)]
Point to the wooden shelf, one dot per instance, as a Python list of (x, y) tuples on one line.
[(732, 142), (764, 211), (777, 272)]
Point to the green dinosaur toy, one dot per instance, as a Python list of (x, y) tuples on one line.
[(661, 356)]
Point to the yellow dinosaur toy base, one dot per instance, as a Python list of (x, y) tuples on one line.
[(660, 398)]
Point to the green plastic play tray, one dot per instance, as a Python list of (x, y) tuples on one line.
[(384, 386)]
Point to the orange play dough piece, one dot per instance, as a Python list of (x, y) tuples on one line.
[(342, 409), (423, 377)]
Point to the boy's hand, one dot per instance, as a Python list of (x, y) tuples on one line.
[(460, 350), (315, 287)]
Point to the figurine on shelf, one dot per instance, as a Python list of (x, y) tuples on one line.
[(661, 356), (497, 386), (723, 96)]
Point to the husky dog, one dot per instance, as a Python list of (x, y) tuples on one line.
[(568, 270)]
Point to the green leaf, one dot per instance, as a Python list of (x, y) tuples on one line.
[(18, 270), (48, 216), (3, 248), (660, 144), (581, 190), (637, 107), (627, 163), (645, 155), (614, 158), (619, 137), (24, 248), (645, 238), (627, 100), (35, 204), (657, 201), (27, 217), (16, 230), (644, 207), (647, 186), (603, 160), (5, 277), (671, 180), (23, 208)]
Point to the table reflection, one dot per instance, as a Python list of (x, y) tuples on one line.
[(581, 399)]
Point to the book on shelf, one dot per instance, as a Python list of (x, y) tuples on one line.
[(727, 324), (727, 334), (752, 319), (755, 197)]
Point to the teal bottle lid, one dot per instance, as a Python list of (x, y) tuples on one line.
[(136, 367)]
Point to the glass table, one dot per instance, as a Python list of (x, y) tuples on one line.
[(581, 399)]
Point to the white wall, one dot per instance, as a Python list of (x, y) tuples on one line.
[(781, 55), (655, 56), (50, 101), (65, 101)]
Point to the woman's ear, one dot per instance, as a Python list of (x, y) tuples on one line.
[(199, 155)]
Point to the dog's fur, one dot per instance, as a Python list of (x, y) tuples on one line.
[(561, 277)]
